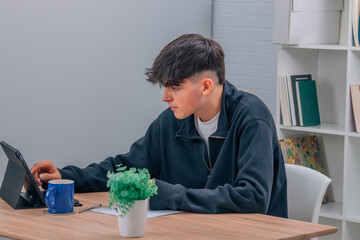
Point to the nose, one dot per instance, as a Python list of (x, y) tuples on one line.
[(166, 97)]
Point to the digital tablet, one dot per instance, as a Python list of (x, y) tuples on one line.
[(16, 177), (34, 196)]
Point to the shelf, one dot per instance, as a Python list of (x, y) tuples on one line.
[(320, 47), (353, 134), (335, 67), (354, 48), (323, 47), (332, 210), (324, 128), (353, 218)]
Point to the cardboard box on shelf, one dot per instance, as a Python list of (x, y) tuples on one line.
[(307, 21)]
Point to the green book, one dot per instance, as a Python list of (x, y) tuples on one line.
[(307, 103)]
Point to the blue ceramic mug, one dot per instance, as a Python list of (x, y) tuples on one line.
[(59, 197)]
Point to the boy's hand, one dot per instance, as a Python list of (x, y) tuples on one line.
[(44, 171)]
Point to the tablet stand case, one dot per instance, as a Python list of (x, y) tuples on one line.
[(11, 189)]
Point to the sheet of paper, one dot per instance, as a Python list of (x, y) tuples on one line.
[(151, 213), (158, 213)]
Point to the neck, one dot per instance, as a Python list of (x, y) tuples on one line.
[(212, 106)]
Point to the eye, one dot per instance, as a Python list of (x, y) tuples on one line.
[(175, 88)]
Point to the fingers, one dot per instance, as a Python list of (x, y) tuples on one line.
[(45, 171), (44, 164), (48, 176), (36, 177), (35, 171)]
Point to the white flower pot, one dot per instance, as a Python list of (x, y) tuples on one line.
[(134, 222)]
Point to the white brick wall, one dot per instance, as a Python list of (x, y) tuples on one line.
[(244, 30)]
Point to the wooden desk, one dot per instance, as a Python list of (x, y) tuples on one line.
[(34, 224)]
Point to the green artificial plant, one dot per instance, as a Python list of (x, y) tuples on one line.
[(128, 186)]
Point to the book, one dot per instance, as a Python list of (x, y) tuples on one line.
[(294, 79), (355, 22), (304, 151), (355, 100), (284, 103), (291, 100), (307, 102)]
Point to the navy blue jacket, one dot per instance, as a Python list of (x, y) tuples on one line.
[(248, 172)]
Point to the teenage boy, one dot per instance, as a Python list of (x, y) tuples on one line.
[(214, 150)]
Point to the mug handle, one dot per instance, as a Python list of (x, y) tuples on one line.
[(50, 199)]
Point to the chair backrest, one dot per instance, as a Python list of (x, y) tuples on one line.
[(305, 189)]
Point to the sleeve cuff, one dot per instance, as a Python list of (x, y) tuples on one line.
[(167, 197)]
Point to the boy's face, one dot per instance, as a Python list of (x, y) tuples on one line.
[(185, 99)]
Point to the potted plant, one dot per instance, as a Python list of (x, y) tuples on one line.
[(129, 193)]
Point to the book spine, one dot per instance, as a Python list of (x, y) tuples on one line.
[(294, 79), (284, 103), (299, 104), (291, 101), (355, 100), (296, 108)]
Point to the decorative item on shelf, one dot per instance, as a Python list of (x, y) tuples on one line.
[(304, 151), (307, 21), (129, 193), (355, 100)]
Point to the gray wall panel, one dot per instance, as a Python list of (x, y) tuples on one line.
[(72, 83)]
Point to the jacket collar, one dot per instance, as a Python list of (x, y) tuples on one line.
[(188, 130)]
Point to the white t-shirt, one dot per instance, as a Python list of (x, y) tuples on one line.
[(207, 128)]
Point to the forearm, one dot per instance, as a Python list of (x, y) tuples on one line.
[(223, 199), (93, 178)]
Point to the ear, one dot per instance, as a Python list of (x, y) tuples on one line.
[(207, 86)]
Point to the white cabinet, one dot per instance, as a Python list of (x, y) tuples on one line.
[(335, 68)]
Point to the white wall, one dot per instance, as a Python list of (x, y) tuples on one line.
[(244, 29), (72, 83)]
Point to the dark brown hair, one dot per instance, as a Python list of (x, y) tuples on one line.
[(185, 56)]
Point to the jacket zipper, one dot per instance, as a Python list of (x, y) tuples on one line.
[(208, 164)]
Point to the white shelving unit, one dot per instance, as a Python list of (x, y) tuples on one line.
[(335, 68)]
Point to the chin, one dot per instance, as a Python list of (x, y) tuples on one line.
[(181, 116)]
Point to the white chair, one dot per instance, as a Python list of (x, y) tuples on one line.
[(305, 190)]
